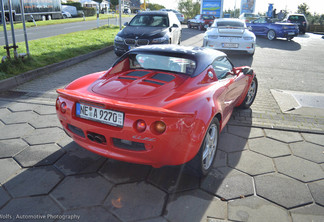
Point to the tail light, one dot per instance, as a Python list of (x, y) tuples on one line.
[(158, 127), (140, 125), (63, 107)]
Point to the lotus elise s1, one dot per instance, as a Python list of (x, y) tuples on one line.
[(157, 105)]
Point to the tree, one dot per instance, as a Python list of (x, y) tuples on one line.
[(303, 9), (189, 8), (114, 3), (153, 7)]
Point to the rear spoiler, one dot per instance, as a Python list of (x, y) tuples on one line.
[(120, 105)]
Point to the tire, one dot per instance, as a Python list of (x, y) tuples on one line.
[(118, 53), (250, 96), (64, 16), (179, 41), (189, 25), (202, 163), (271, 35)]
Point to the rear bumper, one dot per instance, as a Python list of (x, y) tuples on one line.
[(174, 147), (247, 46)]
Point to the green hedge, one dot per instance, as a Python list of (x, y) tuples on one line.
[(89, 11)]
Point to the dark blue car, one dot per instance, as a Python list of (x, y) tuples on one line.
[(266, 26)]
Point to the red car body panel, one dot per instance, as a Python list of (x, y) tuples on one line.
[(186, 105)]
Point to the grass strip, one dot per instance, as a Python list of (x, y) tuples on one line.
[(55, 49), (19, 25)]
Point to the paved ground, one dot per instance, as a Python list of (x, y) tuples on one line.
[(260, 174)]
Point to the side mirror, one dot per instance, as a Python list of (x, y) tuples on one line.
[(126, 24), (247, 71), (175, 26)]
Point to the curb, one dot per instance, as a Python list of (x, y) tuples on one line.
[(9, 83)]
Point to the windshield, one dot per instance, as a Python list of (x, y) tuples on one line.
[(150, 20), (161, 62), (208, 17), (230, 24)]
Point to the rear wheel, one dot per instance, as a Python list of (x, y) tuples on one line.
[(202, 163), (189, 25), (250, 96), (271, 35)]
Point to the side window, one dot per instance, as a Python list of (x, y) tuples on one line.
[(222, 66), (197, 17)]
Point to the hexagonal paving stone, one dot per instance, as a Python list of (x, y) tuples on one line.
[(269, 147), (284, 136), (31, 208), (173, 179), (19, 117), (312, 213), (4, 197), (43, 136), (34, 181), (136, 201), (220, 159), (256, 209), (80, 161), (45, 121), (282, 190), (122, 172), (4, 113), (314, 138), (309, 151), (298, 168), (39, 155), (45, 110), (227, 183), (15, 131), (9, 148), (9, 168), (194, 205), (19, 107), (246, 132), (90, 214), (231, 143), (82, 191), (317, 190), (250, 162)]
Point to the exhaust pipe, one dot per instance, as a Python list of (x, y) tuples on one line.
[(96, 138), (90, 136)]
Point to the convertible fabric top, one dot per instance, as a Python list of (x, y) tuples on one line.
[(202, 56)]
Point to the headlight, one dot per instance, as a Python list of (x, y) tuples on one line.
[(160, 40), (119, 39)]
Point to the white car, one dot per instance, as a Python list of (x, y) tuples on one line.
[(230, 34)]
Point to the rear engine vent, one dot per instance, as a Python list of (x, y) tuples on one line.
[(128, 78), (154, 82), (163, 77), (128, 145), (137, 73), (76, 130)]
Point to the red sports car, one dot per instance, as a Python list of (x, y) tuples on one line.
[(157, 105)]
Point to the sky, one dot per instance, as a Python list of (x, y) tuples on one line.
[(260, 6)]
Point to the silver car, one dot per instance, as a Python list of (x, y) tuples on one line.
[(230, 35), (179, 15)]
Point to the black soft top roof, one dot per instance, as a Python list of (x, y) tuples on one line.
[(202, 56)]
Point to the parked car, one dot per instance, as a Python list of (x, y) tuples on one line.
[(248, 17), (179, 15), (268, 27), (66, 14), (149, 27), (201, 22), (300, 20), (230, 34), (157, 105)]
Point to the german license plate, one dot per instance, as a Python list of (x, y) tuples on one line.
[(291, 33), (230, 45), (105, 116)]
